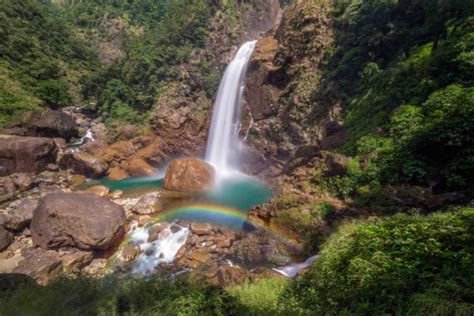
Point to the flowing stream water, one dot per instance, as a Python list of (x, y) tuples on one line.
[(223, 142)]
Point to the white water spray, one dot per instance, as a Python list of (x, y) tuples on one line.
[(223, 143)]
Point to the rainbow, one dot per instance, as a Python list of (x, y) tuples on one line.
[(221, 215), (215, 214)]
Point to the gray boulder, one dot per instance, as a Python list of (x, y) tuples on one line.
[(26, 154), (84, 221)]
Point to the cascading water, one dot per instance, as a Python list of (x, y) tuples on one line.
[(223, 136)]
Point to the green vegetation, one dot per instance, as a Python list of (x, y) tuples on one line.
[(119, 54), (408, 265), (261, 297), (39, 57), (404, 264), (117, 297), (405, 68)]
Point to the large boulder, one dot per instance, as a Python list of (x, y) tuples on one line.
[(26, 154), (83, 163), (50, 123), (189, 175), (77, 220)]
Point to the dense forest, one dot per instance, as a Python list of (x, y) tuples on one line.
[(401, 72), (118, 54)]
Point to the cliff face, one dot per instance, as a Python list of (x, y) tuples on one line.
[(284, 111), (183, 110)]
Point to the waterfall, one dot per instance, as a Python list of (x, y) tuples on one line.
[(223, 142)]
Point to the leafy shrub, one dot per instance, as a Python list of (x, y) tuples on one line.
[(399, 265), (261, 297), (113, 296)]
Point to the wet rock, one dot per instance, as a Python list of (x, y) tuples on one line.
[(50, 123), (6, 238), (175, 228), (26, 154), (143, 220), (130, 252), (201, 229), (155, 231), (98, 190), (77, 220), (117, 174), (148, 204), (189, 175), (77, 180), (139, 168), (84, 164)]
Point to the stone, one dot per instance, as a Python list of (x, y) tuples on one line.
[(9, 264), (224, 244), (143, 220), (21, 216), (75, 261), (147, 204), (189, 175), (6, 238), (155, 231), (7, 189), (130, 252), (26, 154), (117, 151), (98, 190), (23, 181), (77, 180), (201, 229), (84, 221), (200, 255), (139, 168), (116, 174), (175, 228), (50, 123), (84, 164), (39, 264), (95, 266), (116, 194)]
